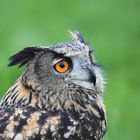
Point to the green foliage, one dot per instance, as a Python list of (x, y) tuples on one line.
[(113, 27)]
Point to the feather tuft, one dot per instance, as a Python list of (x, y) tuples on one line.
[(77, 36), (24, 56)]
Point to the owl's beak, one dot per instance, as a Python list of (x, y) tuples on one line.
[(84, 78)]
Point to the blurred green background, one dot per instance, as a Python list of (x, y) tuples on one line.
[(112, 26)]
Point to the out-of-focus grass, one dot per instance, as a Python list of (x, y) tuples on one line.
[(113, 27)]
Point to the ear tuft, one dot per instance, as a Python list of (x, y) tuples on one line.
[(24, 56), (77, 36)]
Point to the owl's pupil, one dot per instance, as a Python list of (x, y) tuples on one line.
[(62, 65)]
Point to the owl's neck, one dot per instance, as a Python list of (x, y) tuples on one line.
[(69, 97)]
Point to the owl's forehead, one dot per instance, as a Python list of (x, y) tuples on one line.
[(71, 48)]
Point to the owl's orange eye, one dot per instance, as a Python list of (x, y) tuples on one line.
[(62, 66)]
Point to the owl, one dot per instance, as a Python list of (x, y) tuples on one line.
[(58, 97)]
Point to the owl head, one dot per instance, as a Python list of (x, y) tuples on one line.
[(57, 66)]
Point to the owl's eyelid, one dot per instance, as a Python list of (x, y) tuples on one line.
[(57, 60)]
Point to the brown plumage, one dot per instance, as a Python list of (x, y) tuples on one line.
[(58, 97)]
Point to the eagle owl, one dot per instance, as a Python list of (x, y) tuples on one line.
[(58, 97)]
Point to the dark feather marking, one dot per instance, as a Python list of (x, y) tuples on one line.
[(36, 137), (24, 56), (20, 101), (22, 122), (6, 104), (9, 94), (42, 118), (100, 111), (15, 97), (3, 123), (13, 88), (30, 98), (6, 98)]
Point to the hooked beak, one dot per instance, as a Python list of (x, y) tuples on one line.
[(84, 78)]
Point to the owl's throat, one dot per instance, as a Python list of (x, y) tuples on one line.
[(71, 96), (68, 98)]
